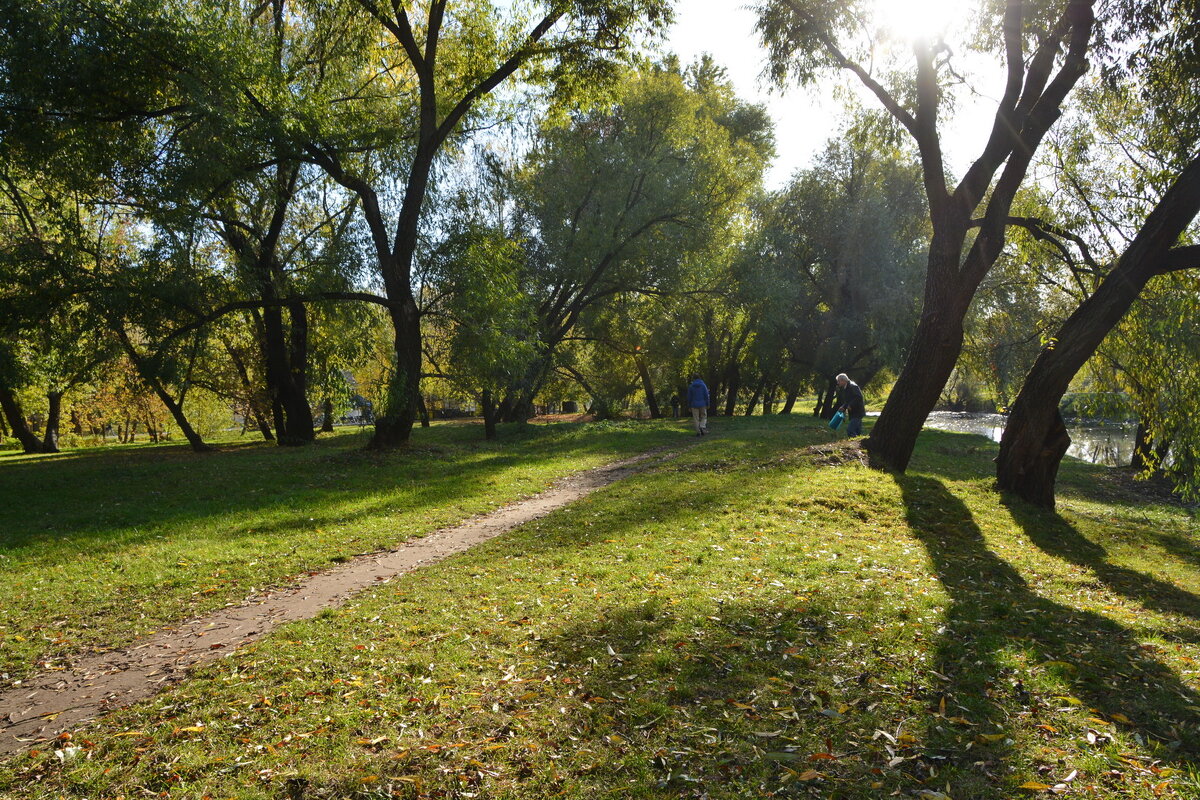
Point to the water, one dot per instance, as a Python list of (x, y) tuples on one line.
[(1110, 444)]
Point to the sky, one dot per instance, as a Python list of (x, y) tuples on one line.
[(725, 28), (805, 118)]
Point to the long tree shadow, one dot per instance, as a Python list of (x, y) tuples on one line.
[(994, 615), (1054, 535)]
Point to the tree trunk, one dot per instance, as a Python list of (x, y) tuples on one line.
[(76, 423), (789, 401), (750, 406), (931, 358), (394, 427), (734, 381), (327, 425), (768, 401), (53, 419), (1029, 451), (198, 444), (489, 415), (647, 387), (423, 410), (295, 391), (17, 422)]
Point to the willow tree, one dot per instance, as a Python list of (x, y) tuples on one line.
[(442, 60), (639, 196), (1045, 48)]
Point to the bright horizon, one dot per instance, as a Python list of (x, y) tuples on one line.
[(805, 118)]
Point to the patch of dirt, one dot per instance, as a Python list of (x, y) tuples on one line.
[(53, 702), (836, 454), (552, 418)]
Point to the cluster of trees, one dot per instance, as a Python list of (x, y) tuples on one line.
[(272, 205)]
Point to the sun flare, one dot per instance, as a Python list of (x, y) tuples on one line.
[(908, 20)]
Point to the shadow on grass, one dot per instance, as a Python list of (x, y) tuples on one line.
[(994, 614), (1056, 536)]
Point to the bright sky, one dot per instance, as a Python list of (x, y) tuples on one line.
[(806, 118)]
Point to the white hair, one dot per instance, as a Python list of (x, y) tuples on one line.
[(842, 377)]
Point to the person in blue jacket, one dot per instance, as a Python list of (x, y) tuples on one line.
[(850, 402), (697, 395)]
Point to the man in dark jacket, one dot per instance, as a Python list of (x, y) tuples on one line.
[(850, 402), (697, 395)]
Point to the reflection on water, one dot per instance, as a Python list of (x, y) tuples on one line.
[(1109, 444)]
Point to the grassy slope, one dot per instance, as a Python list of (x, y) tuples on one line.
[(743, 622), (100, 546)]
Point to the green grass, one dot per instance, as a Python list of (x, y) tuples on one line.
[(100, 546), (742, 622)]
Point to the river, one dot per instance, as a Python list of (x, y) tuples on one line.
[(1110, 444)]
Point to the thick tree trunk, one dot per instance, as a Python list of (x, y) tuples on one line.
[(295, 399), (647, 387), (15, 415), (489, 415), (932, 355), (76, 423), (394, 427), (53, 420), (768, 401), (1030, 438)]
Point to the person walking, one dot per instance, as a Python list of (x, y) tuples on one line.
[(850, 402), (697, 395)]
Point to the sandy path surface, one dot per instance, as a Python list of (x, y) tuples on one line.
[(52, 702)]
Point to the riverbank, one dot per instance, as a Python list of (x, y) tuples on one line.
[(763, 616)]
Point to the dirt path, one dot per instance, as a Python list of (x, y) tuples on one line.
[(52, 702)]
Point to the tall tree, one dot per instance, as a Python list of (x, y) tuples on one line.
[(1045, 48), (639, 197), (1167, 73)]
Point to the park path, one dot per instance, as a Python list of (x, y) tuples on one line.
[(51, 703)]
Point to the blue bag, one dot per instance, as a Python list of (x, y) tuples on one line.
[(836, 422)]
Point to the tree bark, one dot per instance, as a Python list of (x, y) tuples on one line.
[(647, 387), (789, 402), (750, 406), (30, 443), (394, 427), (53, 420), (1029, 449), (734, 383)]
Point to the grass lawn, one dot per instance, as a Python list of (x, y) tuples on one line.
[(100, 546), (749, 620)]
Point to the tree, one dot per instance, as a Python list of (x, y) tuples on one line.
[(1045, 48), (1159, 209), (832, 275), (455, 55), (639, 197)]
